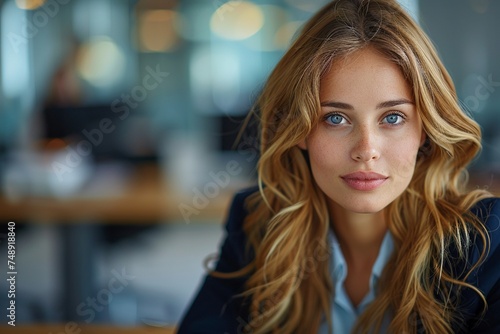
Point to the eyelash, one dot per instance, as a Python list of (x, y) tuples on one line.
[(392, 113), (397, 113)]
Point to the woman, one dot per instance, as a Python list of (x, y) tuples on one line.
[(360, 222)]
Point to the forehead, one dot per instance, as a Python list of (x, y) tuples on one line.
[(367, 72)]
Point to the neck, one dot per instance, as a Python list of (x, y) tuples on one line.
[(359, 234)]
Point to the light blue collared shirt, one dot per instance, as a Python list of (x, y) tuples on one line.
[(344, 314)]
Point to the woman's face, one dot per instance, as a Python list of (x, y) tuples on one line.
[(363, 151)]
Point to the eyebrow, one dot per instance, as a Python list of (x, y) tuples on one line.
[(385, 104)]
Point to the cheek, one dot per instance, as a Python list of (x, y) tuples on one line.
[(403, 157), (323, 153)]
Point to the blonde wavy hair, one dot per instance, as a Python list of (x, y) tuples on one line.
[(289, 283)]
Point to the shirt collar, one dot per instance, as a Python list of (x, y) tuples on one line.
[(384, 254), (339, 266)]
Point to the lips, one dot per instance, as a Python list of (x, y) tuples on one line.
[(364, 181)]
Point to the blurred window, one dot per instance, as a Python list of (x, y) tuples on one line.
[(15, 42)]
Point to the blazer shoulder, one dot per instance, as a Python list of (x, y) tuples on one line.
[(488, 212), (238, 210), (485, 277)]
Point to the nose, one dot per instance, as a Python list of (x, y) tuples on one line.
[(365, 148)]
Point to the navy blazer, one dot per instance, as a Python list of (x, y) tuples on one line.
[(216, 308)]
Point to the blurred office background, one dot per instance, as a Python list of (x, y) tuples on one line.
[(117, 125)]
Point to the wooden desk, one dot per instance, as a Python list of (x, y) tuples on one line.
[(83, 329), (146, 198)]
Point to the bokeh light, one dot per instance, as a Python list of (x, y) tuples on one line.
[(101, 62), (237, 20), (266, 39), (29, 4), (157, 31)]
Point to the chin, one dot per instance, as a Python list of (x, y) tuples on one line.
[(364, 207)]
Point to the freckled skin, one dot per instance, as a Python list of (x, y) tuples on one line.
[(371, 136)]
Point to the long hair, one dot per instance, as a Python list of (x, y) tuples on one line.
[(289, 281)]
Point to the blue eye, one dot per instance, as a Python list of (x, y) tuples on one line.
[(393, 119), (335, 119)]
